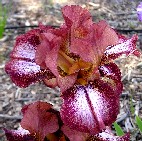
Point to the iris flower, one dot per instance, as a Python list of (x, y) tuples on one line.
[(79, 58)]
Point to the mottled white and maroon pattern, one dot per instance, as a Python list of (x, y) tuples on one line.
[(84, 47)]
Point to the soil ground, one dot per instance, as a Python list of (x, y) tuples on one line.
[(120, 14)]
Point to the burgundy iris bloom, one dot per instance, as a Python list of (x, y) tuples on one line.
[(77, 57)]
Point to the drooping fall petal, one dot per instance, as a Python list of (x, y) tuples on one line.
[(23, 73), (22, 67), (111, 74), (26, 46), (40, 119), (90, 108), (125, 46), (19, 135), (108, 136), (110, 69)]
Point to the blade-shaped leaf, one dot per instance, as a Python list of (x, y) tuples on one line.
[(118, 129), (139, 122)]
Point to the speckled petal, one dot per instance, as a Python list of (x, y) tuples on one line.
[(22, 67), (19, 135), (125, 46), (108, 136), (24, 73), (110, 69), (90, 108), (26, 45), (111, 74)]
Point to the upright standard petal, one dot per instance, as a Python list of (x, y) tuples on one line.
[(75, 14), (40, 119)]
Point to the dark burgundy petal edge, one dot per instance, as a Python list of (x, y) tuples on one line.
[(108, 136), (22, 67), (23, 73), (111, 73), (19, 135), (125, 46), (90, 108)]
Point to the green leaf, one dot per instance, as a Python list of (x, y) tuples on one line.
[(118, 129), (132, 109), (139, 123), (3, 18)]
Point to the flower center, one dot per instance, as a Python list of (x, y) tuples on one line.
[(68, 65)]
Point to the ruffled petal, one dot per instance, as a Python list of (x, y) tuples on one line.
[(52, 56), (79, 22), (104, 36), (92, 46), (90, 108), (45, 120), (47, 51), (75, 15)]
